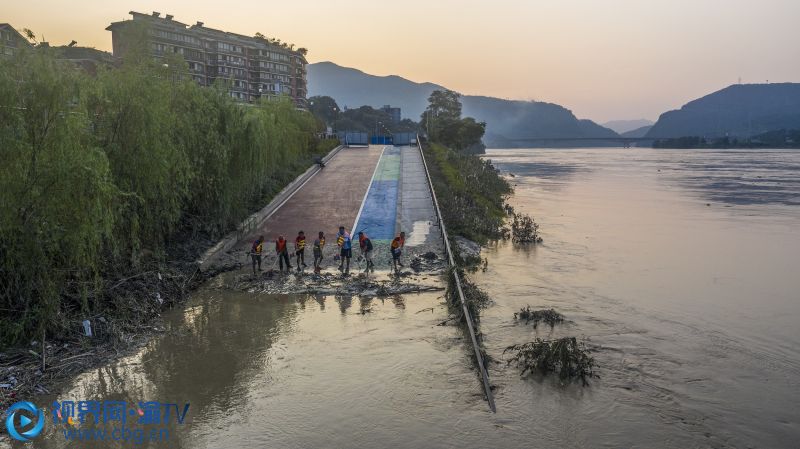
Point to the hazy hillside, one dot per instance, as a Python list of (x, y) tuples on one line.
[(638, 132), (354, 88), (505, 119), (623, 126), (740, 110)]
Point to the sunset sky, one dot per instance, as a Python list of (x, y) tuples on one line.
[(603, 59)]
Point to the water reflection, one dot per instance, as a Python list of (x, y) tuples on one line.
[(211, 354)]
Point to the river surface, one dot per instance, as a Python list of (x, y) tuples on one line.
[(680, 269)]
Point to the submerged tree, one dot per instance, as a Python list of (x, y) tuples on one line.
[(524, 229), (565, 356)]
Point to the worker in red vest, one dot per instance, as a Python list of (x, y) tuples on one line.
[(282, 251)]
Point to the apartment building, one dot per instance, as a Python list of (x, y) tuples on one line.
[(255, 66), (394, 113), (11, 41)]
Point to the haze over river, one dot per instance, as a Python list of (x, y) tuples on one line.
[(680, 268)]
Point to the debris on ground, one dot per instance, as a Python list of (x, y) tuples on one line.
[(328, 283), (426, 262), (547, 316), (565, 356)]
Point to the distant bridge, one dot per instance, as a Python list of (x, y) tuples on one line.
[(625, 141)]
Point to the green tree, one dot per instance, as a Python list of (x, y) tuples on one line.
[(444, 105), (443, 122), (470, 133), (325, 108)]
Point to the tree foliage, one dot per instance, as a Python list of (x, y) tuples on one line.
[(324, 108), (99, 173), (443, 122), (364, 118), (470, 191)]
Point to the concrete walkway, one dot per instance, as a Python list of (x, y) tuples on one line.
[(331, 198), (415, 213), (381, 189)]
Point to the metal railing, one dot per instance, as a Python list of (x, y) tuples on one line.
[(452, 263)]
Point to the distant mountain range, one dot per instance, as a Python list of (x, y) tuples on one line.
[(506, 120), (623, 126), (741, 110), (736, 111), (638, 132)]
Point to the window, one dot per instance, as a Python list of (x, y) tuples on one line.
[(177, 37), (229, 48)]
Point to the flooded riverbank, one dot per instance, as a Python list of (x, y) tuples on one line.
[(688, 301)]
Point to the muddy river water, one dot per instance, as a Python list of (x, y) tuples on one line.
[(681, 269)]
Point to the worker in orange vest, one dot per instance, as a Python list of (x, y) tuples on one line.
[(300, 250), (255, 253), (397, 250)]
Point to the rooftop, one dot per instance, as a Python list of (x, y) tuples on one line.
[(210, 32)]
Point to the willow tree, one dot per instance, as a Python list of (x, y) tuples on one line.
[(56, 195), (133, 122)]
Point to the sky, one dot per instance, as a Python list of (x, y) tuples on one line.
[(603, 59)]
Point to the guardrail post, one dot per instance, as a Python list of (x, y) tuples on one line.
[(451, 262)]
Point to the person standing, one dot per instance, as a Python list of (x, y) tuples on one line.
[(319, 245), (282, 251), (300, 250), (255, 252), (345, 244), (366, 250), (397, 250)]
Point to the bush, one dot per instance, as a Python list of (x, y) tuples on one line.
[(524, 229), (566, 356), (547, 316)]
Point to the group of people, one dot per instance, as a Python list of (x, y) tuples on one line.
[(343, 242)]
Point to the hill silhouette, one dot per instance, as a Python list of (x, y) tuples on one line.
[(741, 110), (505, 119)]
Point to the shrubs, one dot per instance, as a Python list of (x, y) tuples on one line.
[(524, 229), (547, 316), (470, 193), (565, 356), (476, 299)]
